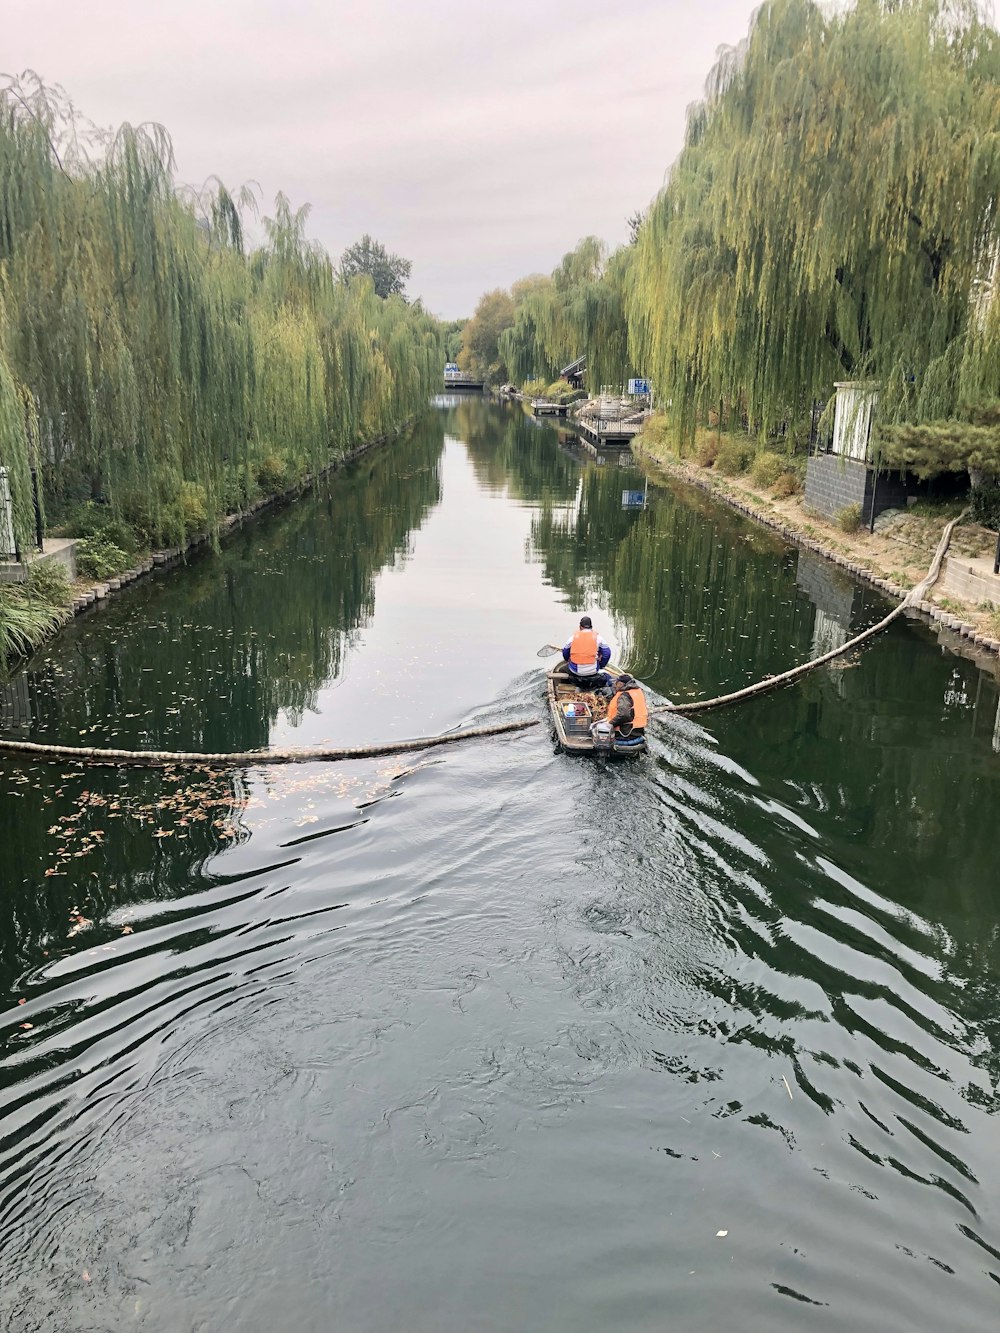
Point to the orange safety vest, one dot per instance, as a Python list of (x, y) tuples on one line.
[(583, 648), (638, 703)]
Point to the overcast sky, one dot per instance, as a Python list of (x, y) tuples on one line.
[(480, 141)]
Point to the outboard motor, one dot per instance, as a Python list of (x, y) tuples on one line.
[(603, 735)]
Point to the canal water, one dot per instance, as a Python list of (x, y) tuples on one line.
[(493, 1038)]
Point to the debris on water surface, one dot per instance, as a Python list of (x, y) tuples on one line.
[(185, 798)]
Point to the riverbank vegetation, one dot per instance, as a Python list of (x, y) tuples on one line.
[(768, 484), (833, 215), (154, 366), (31, 610), (543, 323)]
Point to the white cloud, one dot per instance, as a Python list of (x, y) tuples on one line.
[(480, 141)]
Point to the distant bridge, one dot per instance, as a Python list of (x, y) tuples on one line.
[(457, 379)]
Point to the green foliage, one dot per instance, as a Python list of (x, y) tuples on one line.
[(92, 520), (193, 505), (98, 558), (970, 443), (534, 388), (561, 391), (48, 582), (481, 354), (657, 435), (848, 519), (147, 361), (272, 474), (833, 215), (452, 335), (786, 485), (734, 456), (389, 273), (25, 621), (766, 469), (984, 503), (706, 449), (578, 311)]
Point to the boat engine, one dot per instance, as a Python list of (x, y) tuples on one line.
[(603, 735)]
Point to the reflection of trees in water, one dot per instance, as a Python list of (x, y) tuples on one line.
[(889, 757), (90, 840), (238, 639), (509, 451), (681, 576), (249, 634), (575, 548)]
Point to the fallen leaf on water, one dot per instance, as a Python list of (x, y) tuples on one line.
[(126, 930)]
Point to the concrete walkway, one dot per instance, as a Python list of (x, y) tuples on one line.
[(58, 551)]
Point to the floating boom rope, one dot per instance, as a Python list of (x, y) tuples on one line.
[(250, 758), (256, 758), (915, 596)]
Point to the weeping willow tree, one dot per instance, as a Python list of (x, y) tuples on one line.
[(578, 311), (148, 361), (830, 217)]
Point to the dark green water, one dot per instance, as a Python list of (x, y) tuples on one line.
[(499, 1039)]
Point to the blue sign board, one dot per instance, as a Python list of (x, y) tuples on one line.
[(633, 499), (638, 386)]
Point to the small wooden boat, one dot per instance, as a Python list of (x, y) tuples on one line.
[(579, 718)]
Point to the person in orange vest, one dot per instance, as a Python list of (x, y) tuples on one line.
[(627, 710), (586, 654)]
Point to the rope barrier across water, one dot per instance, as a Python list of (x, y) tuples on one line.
[(250, 758), (913, 597), (255, 758)]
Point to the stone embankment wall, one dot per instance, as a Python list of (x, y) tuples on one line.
[(944, 618), (834, 482)]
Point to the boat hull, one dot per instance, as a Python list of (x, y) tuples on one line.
[(572, 729)]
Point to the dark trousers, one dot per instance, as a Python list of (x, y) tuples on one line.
[(595, 682)]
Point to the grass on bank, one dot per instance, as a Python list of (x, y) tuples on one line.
[(30, 611), (729, 454), (559, 391), (765, 474)]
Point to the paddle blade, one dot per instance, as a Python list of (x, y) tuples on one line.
[(548, 649)]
